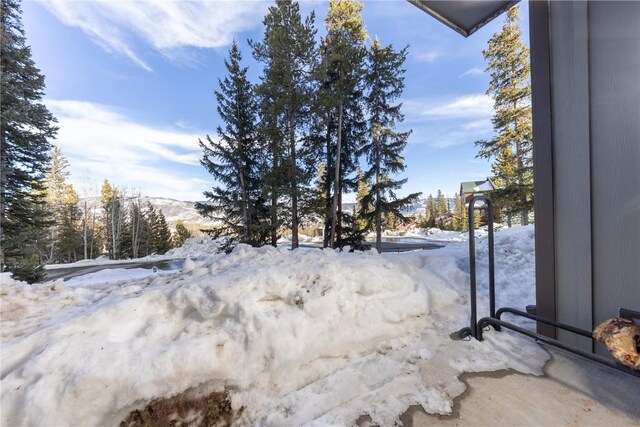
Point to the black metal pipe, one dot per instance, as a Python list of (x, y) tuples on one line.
[(486, 321), (472, 268), (472, 262), (492, 277), (559, 325)]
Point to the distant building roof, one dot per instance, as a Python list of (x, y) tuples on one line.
[(477, 186)]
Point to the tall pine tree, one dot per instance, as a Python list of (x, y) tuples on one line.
[(288, 53), (385, 80), (363, 203), (65, 235), (113, 218), (26, 127), (511, 147), (234, 160), (431, 212), (342, 77)]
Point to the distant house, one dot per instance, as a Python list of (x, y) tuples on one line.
[(474, 188)]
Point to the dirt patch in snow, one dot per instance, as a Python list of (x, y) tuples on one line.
[(185, 409)]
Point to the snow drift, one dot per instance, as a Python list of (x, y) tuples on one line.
[(304, 337)]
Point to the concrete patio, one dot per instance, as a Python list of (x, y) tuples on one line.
[(574, 392)]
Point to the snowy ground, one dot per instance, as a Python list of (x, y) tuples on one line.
[(304, 337)]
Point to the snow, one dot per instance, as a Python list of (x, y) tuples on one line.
[(193, 247), (313, 337)]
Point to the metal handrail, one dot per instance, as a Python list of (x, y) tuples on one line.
[(476, 328)]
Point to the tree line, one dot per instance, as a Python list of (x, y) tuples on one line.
[(291, 144), (113, 223)]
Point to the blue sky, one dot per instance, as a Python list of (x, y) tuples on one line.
[(131, 84)]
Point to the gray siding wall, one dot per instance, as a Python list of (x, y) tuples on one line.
[(595, 107), (614, 75), (571, 164)]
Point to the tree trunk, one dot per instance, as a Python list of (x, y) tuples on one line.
[(378, 197), (113, 229), (339, 215), (85, 227), (274, 218), (336, 187), (524, 215), (294, 182), (245, 213), (93, 231), (328, 200), (274, 199)]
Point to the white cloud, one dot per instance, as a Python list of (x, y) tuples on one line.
[(468, 106), (448, 122), (475, 71), (428, 55), (165, 25), (109, 145)]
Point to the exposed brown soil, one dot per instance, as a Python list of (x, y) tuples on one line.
[(184, 409)]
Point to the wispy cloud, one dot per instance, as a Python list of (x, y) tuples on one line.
[(475, 71), (105, 142), (428, 55), (461, 107), (165, 25), (448, 122)]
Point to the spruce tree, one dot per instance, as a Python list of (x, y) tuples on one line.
[(383, 150), (56, 193), (234, 160), (342, 76), (272, 170), (442, 206), (68, 222), (431, 212), (136, 229), (511, 147), (462, 222), (181, 235), (288, 53), (26, 127), (161, 235), (151, 218), (363, 203), (113, 218)]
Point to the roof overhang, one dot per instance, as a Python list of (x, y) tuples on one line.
[(464, 16)]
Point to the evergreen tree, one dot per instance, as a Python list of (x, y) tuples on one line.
[(91, 238), (442, 206), (385, 80), (26, 126), (56, 194), (363, 203), (462, 222), (161, 235), (234, 160), (390, 221), (181, 235), (272, 170), (149, 241), (68, 222), (136, 229), (342, 76), (511, 147), (114, 218), (288, 53), (431, 212)]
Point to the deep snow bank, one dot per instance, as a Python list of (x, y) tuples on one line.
[(309, 336)]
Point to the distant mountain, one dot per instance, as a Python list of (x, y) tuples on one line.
[(173, 210), (415, 209)]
